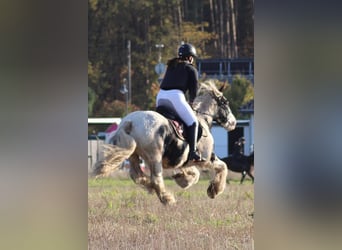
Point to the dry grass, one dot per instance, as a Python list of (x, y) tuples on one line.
[(122, 215)]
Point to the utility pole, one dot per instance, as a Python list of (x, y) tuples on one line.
[(160, 67), (124, 91), (129, 73), (159, 47)]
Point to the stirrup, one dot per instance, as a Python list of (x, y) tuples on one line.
[(193, 156)]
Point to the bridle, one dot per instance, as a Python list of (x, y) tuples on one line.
[(222, 101), (220, 119)]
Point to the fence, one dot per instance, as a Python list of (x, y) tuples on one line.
[(94, 150)]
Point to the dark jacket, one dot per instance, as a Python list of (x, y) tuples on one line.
[(237, 150), (182, 76)]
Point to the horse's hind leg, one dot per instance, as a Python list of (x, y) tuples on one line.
[(250, 175), (137, 175), (218, 184), (158, 183)]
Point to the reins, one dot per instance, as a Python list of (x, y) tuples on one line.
[(205, 118), (220, 117), (203, 113), (206, 113)]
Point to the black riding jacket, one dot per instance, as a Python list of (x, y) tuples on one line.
[(238, 150), (183, 77)]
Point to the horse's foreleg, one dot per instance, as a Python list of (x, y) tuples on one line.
[(158, 184), (218, 184), (187, 177), (243, 177)]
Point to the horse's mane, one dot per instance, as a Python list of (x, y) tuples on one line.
[(206, 89)]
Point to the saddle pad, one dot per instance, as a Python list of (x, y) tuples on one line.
[(178, 128)]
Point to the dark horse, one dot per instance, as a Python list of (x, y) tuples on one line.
[(241, 164)]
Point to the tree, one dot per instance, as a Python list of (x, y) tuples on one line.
[(91, 100), (240, 92), (216, 28)]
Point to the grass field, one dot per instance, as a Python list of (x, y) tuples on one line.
[(121, 215)]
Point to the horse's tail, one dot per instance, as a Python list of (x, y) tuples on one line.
[(123, 146)]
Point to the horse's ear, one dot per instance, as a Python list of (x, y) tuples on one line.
[(223, 87)]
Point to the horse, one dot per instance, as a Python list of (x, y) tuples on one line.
[(148, 135), (241, 164)]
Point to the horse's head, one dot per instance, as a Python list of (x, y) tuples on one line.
[(213, 102), (224, 115)]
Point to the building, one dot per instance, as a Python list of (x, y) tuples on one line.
[(249, 110)]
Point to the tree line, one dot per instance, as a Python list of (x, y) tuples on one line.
[(217, 28)]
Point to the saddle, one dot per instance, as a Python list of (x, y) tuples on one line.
[(176, 123)]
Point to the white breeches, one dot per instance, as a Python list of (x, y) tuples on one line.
[(177, 100)]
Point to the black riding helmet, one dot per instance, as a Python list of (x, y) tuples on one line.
[(186, 50)]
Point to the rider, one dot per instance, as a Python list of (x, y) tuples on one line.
[(181, 76), (238, 151), (238, 147)]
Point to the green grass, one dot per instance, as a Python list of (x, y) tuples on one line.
[(109, 182), (122, 215)]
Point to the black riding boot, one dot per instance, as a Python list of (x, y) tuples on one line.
[(192, 140)]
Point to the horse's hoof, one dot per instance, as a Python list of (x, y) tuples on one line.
[(178, 175), (187, 178), (180, 180), (168, 199), (211, 191)]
